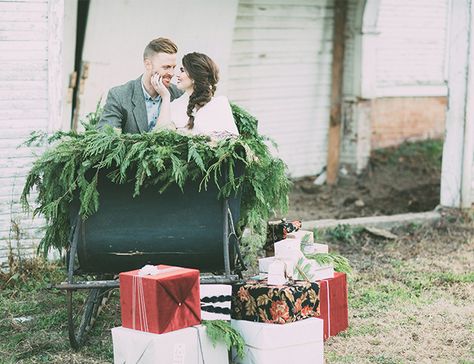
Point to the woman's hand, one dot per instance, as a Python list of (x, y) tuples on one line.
[(157, 83)]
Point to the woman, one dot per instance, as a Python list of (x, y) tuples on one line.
[(197, 111)]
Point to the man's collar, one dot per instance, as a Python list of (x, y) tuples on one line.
[(146, 94)]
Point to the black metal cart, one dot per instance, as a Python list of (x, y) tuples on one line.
[(184, 228)]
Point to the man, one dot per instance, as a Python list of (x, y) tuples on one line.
[(135, 106)]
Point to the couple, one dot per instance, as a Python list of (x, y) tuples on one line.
[(152, 102)]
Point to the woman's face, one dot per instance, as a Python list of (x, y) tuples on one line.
[(185, 82)]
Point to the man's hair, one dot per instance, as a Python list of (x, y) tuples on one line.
[(160, 45)]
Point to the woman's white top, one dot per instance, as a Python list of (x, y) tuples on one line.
[(214, 117)]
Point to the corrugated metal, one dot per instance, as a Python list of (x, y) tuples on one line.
[(280, 71), (23, 108), (411, 44)]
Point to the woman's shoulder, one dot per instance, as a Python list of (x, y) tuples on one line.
[(184, 98), (221, 99), (218, 102)]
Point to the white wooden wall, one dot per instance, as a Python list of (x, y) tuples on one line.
[(411, 47), (280, 71), (23, 108), (195, 26)]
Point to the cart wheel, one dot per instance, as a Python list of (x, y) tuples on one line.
[(82, 320)]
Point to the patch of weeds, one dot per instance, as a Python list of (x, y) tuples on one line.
[(360, 330), (318, 235), (378, 298), (332, 357), (344, 233), (43, 336), (427, 152), (450, 278), (382, 359)]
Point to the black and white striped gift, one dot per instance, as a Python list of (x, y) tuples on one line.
[(215, 301)]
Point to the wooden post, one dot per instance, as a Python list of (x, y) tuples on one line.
[(337, 69), (456, 173)]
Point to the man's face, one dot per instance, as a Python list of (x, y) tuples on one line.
[(162, 64)]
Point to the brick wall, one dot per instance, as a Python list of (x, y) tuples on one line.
[(398, 119)]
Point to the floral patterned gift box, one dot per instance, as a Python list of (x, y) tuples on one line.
[(260, 302)]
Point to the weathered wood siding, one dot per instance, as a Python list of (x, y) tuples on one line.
[(23, 108), (280, 71), (411, 48)]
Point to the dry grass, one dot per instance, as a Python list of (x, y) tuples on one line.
[(411, 300)]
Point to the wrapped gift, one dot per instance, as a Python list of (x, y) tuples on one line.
[(277, 273), (264, 264), (185, 346), (161, 302), (333, 304), (309, 269), (300, 342), (278, 230), (288, 249), (304, 236), (215, 301), (258, 301), (314, 248)]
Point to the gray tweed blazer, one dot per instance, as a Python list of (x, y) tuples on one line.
[(125, 107)]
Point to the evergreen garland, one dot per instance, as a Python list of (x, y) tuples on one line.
[(70, 168), (220, 330)]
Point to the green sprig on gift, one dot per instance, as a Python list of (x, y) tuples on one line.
[(70, 168), (340, 263), (221, 331)]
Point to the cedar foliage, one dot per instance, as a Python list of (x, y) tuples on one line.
[(70, 167), (221, 331)]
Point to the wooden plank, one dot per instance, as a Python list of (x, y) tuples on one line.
[(19, 35), (263, 71), (10, 114), (24, 55), (259, 57), (22, 16), (23, 7), (276, 34), (22, 65), (458, 61), (251, 22), (297, 45), (24, 26), (55, 64), (334, 139), (23, 45), (282, 2), (280, 93), (26, 74), (30, 94), (288, 10)]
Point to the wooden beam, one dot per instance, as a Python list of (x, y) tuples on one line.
[(456, 172), (334, 140)]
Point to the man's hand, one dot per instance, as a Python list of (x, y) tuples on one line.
[(160, 88)]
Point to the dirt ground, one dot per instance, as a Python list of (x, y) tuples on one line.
[(397, 180)]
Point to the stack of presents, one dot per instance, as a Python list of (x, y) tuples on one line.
[(283, 314)]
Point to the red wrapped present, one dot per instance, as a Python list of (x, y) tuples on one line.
[(333, 304), (162, 302)]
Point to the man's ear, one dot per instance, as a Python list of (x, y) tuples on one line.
[(147, 64)]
